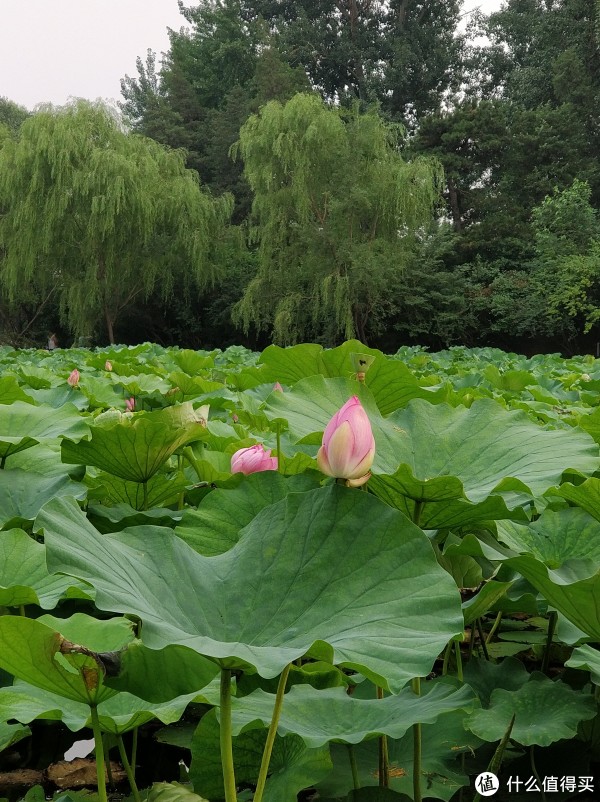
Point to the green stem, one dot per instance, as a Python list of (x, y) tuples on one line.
[(106, 749), (226, 739), (134, 746), (417, 749), (494, 628), (459, 668), (353, 767), (266, 757), (447, 653), (535, 773), (552, 620), (181, 499), (2, 462), (99, 749), (22, 610), (189, 455), (417, 512), (384, 757), (145, 501), (278, 436), (129, 771), (482, 639), (471, 641)]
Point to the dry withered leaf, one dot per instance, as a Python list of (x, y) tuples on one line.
[(78, 772)]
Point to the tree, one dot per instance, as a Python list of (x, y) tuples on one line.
[(99, 216), (335, 212)]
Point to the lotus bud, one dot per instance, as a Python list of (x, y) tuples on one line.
[(130, 404), (253, 459), (108, 365), (278, 387), (348, 446), (73, 379), (586, 377)]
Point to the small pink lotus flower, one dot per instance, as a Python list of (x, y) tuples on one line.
[(108, 365), (73, 379), (130, 404), (253, 459), (348, 446), (278, 387), (234, 418)]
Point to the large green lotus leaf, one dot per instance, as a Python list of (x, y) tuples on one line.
[(573, 589), (307, 576), (12, 733), (480, 447), (484, 600), (586, 658), (41, 656), (545, 712), (443, 743), (293, 766), (391, 382), (24, 425), (332, 715), (123, 516), (10, 391), (216, 525), (591, 423), (555, 537), (118, 714), (172, 792), (311, 404), (192, 362), (23, 493), (586, 495), (141, 384), (444, 508), (113, 490), (484, 676), (160, 675), (24, 577), (45, 459), (135, 447), (59, 396)]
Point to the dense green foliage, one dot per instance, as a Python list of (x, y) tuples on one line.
[(139, 574), (507, 104)]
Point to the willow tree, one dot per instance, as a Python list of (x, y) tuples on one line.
[(99, 216), (336, 212)]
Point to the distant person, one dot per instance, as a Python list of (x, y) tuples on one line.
[(52, 342)]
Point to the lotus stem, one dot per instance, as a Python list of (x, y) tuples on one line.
[(266, 756), (494, 628), (384, 757), (482, 639), (447, 653), (189, 455), (134, 746), (106, 748), (496, 761), (145, 501), (417, 748), (353, 767), (99, 751), (552, 620), (278, 436), (417, 512), (534, 771), (226, 739), (129, 770), (459, 668)]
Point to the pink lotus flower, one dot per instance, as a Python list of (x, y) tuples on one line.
[(108, 365), (348, 446), (73, 379), (253, 459), (278, 387), (130, 404)]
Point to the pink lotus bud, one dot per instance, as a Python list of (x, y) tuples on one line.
[(253, 459), (278, 387), (108, 365), (348, 446), (130, 404), (234, 418), (73, 379)]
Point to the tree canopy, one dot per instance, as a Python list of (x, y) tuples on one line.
[(100, 216)]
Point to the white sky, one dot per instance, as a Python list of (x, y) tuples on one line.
[(51, 50)]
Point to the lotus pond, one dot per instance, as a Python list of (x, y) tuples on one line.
[(275, 634)]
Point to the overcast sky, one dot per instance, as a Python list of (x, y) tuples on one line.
[(51, 50)]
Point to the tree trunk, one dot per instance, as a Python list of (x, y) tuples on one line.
[(454, 205), (109, 325)]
